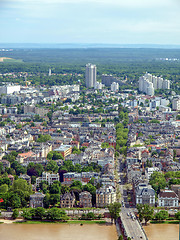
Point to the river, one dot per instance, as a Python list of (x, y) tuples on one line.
[(57, 232), (162, 231)]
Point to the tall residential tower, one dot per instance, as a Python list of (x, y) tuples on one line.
[(90, 75)]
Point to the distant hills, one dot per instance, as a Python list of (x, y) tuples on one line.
[(84, 45)]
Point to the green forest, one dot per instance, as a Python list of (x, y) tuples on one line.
[(68, 65)]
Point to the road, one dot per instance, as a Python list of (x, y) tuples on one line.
[(131, 224)]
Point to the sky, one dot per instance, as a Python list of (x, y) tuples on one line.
[(90, 21)]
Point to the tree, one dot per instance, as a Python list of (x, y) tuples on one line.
[(15, 201), (55, 188), (90, 188), (52, 166), (120, 237), (76, 185), (15, 214), (54, 155), (90, 215), (27, 214), (162, 215), (145, 212), (43, 138), (114, 210), (21, 184), (177, 215), (54, 199), (49, 115), (57, 214), (158, 181), (39, 213), (3, 188)]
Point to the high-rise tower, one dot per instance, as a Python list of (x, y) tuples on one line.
[(90, 76)]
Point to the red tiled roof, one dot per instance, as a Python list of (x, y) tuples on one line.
[(167, 194), (27, 154)]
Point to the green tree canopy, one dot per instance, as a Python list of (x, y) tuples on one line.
[(145, 212), (114, 210)]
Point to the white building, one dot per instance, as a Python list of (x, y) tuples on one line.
[(148, 83), (166, 84), (48, 177), (114, 87), (176, 104), (9, 89), (90, 75), (98, 85), (168, 198), (145, 194)]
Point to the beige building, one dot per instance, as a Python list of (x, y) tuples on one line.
[(32, 109), (67, 200), (85, 200), (105, 196)]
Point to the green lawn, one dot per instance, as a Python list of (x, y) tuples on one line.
[(69, 222), (12, 60), (165, 222)]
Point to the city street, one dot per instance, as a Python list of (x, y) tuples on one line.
[(131, 224)]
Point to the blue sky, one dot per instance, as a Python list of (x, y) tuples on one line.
[(90, 21)]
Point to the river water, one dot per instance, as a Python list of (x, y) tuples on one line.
[(162, 231), (57, 232)]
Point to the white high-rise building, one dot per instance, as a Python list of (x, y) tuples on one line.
[(90, 76), (150, 89), (114, 87), (166, 84), (148, 83), (159, 83), (148, 76), (49, 71), (141, 83), (154, 80)]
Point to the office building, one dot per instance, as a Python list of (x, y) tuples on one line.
[(90, 76)]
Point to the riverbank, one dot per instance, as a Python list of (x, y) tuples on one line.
[(18, 221), (7, 221), (165, 222)]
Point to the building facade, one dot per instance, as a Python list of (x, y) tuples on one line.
[(47, 177), (90, 76), (105, 196), (149, 83), (36, 200), (145, 194), (168, 198), (85, 200), (67, 200)]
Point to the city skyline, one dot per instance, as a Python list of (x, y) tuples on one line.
[(95, 21)]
